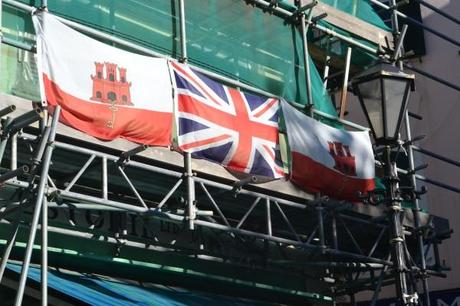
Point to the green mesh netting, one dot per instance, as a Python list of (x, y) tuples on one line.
[(360, 9), (226, 36), (359, 57), (255, 47), (229, 37)]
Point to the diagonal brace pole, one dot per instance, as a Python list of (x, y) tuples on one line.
[(246, 215), (283, 215), (138, 196), (80, 173), (214, 204)]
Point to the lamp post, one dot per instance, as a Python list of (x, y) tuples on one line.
[(383, 91)]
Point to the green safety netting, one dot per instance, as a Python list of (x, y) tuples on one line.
[(225, 36), (361, 9), (359, 57), (229, 37)]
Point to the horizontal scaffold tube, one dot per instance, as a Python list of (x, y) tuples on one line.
[(139, 165), (89, 201), (293, 243)]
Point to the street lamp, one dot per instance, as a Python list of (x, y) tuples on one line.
[(383, 91)]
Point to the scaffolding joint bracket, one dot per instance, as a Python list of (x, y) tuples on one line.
[(396, 240), (410, 298)]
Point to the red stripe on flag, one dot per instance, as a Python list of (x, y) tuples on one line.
[(134, 124), (262, 111), (316, 177), (204, 142), (239, 122), (272, 155), (190, 79)]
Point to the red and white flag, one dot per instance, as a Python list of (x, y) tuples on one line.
[(103, 91), (324, 159)]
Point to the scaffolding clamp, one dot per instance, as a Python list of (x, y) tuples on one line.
[(125, 156), (21, 121), (8, 109), (396, 240), (296, 16), (410, 298), (238, 185)]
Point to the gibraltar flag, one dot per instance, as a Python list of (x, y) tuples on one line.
[(334, 162), (103, 91)]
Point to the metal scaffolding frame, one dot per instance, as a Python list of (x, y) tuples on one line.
[(340, 253), (321, 239)]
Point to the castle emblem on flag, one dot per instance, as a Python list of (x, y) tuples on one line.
[(344, 161), (111, 86)]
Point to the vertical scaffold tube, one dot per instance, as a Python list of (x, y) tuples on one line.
[(343, 98), (4, 138), (191, 214), (44, 248), (183, 36), (304, 29), (320, 215), (37, 208), (416, 213), (15, 226), (397, 236), (14, 152)]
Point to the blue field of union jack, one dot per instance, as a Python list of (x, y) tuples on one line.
[(227, 126)]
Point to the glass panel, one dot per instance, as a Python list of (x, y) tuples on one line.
[(372, 97), (394, 94)]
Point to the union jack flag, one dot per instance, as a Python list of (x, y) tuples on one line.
[(227, 126)]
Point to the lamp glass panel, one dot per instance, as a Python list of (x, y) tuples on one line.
[(394, 99), (371, 94)]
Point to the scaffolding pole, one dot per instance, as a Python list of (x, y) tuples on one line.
[(416, 212), (44, 249), (187, 156), (38, 208), (304, 25), (343, 98)]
